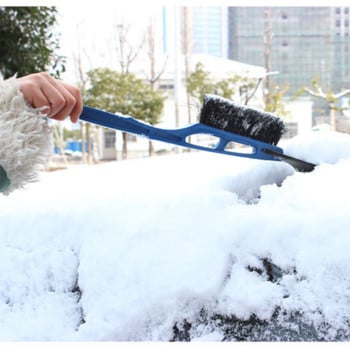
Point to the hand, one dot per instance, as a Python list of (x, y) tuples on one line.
[(61, 99)]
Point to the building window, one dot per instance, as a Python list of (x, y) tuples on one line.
[(337, 10), (109, 138), (166, 86), (284, 15), (131, 137), (285, 68), (284, 43)]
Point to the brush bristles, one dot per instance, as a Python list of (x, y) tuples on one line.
[(223, 114)]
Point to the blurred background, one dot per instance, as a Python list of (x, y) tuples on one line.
[(155, 63)]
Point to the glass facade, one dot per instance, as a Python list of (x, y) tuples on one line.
[(209, 30), (304, 42)]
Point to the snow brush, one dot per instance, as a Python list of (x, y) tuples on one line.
[(230, 124)]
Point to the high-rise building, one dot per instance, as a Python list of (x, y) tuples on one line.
[(204, 29), (301, 43), (209, 30)]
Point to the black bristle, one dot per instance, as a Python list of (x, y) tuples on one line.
[(223, 114)]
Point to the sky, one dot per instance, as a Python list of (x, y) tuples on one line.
[(90, 32)]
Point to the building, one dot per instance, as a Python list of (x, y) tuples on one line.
[(209, 30), (301, 43), (204, 29)]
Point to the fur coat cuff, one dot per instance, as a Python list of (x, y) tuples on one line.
[(26, 140)]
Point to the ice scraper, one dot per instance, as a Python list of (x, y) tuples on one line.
[(229, 123)]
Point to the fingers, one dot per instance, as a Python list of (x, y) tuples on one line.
[(78, 102), (60, 98)]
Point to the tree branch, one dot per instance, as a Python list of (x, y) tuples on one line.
[(341, 94), (319, 93)]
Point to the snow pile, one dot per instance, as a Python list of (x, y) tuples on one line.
[(188, 247)]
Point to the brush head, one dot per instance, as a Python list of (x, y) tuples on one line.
[(223, 114)]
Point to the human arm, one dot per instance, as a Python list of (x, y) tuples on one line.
[(26, 139)]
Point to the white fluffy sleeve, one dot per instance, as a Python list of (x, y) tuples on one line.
[(26, 141)]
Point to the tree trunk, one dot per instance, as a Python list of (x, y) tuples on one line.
[(83, 149), (187, 49), (89, 142), (333, 120), (150, 149), (125, 146), (267, 52)]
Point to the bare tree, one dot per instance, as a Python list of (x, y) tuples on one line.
[(151, 53), (329, 97), (85, 128), (187, 51), (153, 76), (126, 54), (267, 53)]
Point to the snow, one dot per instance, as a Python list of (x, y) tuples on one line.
[(140, 249)]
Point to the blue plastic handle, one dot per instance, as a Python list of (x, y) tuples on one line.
[(180, 136)]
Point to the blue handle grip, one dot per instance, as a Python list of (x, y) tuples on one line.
[(180, 136)]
